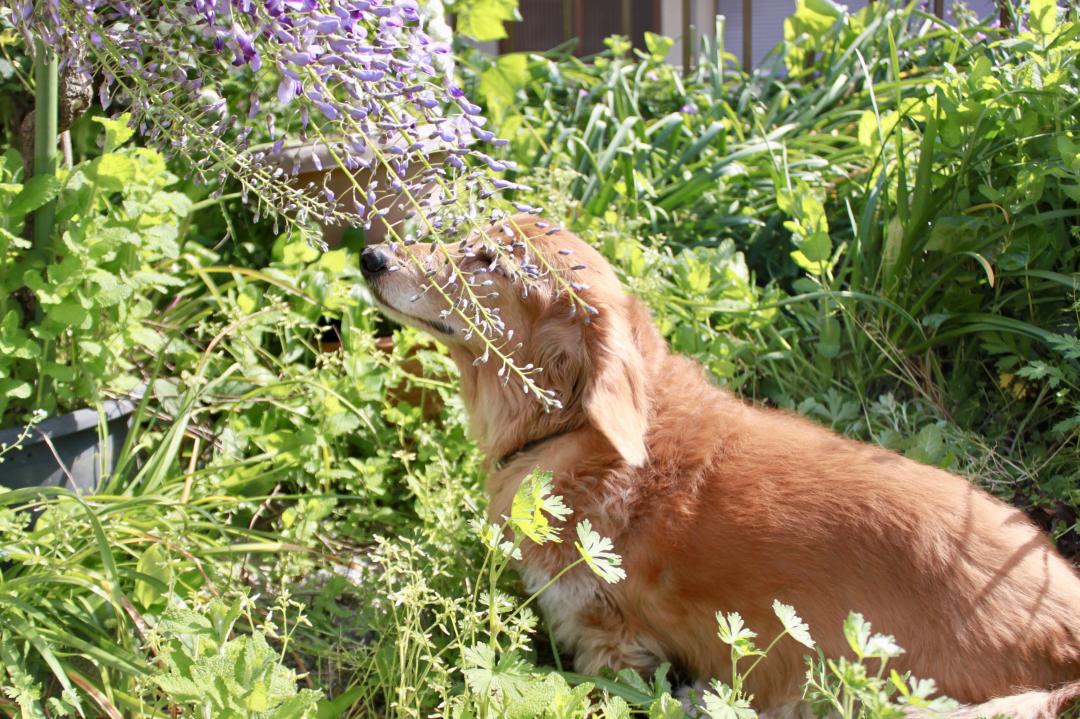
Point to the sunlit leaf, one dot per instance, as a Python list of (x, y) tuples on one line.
[(598, 554), (533, 504), (795, 626)]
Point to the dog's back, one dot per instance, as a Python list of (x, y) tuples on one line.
[(777, 507)]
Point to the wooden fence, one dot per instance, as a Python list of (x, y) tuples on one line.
[(752, 28)]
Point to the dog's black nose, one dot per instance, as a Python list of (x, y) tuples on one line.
[(372, 261)]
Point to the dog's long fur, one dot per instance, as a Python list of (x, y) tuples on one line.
[(717, 505)]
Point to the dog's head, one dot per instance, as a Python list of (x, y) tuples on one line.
[(596, 367)]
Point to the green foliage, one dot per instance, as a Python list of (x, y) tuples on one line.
[(851, 689), (72, 317), (484, 20), (221, 675), (859, 688), (439, 649), (65, 589), (884, 240)]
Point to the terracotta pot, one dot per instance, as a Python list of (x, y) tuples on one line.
[(311, 156)]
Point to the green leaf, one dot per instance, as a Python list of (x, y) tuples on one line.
[(536, 698), (872, 134), (666, 707), (15, 343), (162, 238), (596, 551), (57, 371), (503, 679), (795, 626), (733, 631), (299, 252), (484, 20), (154, 563), (615, 708), (117, 131), (1044, 16), (110, 287), (67, 313), (532, 505), (954, 234), (146, 337), (723, 702), (658, 45), (40, 190), (179, 689), (333, 262), (501, 83), (114, 171), (15, 389)]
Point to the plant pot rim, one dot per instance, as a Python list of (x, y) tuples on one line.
[(72, 422)]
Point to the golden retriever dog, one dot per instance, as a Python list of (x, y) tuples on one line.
[(719, 505)]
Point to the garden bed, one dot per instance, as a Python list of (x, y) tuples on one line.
[(883, 240)]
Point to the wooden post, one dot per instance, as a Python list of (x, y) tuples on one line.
[(939, 8), (579, 23), (627, 20), (567, 19), (687, 40), (747, 35)]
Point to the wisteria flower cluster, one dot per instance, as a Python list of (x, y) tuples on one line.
[(358, 75), (225, 84)]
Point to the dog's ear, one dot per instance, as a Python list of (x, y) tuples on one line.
[(616, 394)]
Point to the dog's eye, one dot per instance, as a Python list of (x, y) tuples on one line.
[(484, 258)]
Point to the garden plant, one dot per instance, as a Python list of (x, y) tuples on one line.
[(877, 227)]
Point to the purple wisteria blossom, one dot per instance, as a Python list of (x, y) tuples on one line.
[(358, 77)]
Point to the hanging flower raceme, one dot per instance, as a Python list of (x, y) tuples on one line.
[(358, 75), (225, 84)]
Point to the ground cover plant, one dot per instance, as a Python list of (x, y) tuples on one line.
[(883, 239)]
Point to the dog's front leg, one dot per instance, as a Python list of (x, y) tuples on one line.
[(613, 647), (586, 620)]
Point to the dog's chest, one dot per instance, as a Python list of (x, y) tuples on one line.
[(565, 603), (579, 597)]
